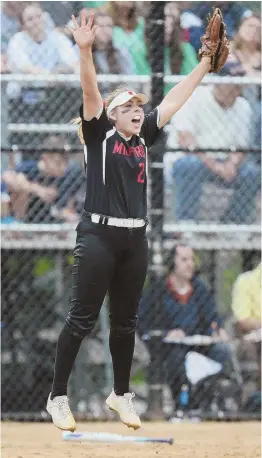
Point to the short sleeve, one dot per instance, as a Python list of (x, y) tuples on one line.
[(94, 131), (28, 168), (150, 130)]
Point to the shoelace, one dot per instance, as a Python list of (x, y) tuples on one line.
[(63, 406), (129, 404)]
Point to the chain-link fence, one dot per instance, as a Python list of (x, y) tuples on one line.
[(198, 340)]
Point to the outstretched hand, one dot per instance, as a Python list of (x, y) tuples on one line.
[(84, 34)]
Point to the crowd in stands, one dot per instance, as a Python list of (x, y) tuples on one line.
[(28, 28), (35, 40), (190, 343)]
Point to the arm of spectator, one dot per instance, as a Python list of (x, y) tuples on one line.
[(227, 169), (208, 316), (219, 334), (18, 59), (175, 334), (68, 213), (180, 93), (17, 182), (249, 324), (4, 63)]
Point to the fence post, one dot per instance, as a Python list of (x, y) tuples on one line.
[(155, 375)]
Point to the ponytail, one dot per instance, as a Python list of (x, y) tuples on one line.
[(78, 122)]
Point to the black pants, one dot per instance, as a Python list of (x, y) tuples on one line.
[(106, 259)]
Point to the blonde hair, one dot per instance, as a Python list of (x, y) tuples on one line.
[(110, 97)]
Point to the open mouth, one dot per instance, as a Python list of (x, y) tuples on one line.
[(136, 120)]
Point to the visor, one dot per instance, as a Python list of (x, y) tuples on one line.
[(124, 97)]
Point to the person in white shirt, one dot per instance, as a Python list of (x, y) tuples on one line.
[(214, 117), (37, 50)]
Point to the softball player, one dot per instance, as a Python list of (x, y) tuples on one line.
[(111, 247)]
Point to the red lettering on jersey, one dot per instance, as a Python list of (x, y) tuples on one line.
[(139, 151), (118, 148), (125, 152), (142, 151)]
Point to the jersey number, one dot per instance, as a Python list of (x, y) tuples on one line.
[(140, 176)]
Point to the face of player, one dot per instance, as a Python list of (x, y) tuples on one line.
[(129, 117), (250, 30), (184, 263), (104, 32), (33, 21)]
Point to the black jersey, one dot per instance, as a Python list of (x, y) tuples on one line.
[(117, 167)]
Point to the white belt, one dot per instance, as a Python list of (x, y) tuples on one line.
[(118, 222)]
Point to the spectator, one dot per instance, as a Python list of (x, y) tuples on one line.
[(188, 309), (246, 306), (246, 54), (194, 127), (61, 11), (10, 24), (45, 190), (129, 30), (6, 217), (180, 57), (246, 46), (246, 300), (193, 17), (36, 50), (109, 58)]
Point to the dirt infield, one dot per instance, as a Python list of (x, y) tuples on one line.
[(203, 440)]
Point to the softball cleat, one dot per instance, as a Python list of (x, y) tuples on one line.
[(60, 412), (123, 405)]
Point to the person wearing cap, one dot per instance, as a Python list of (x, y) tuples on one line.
[(111, 249)]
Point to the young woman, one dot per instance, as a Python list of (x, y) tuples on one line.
[(246, 46), (111, 248), (107, 57), (246, 55)]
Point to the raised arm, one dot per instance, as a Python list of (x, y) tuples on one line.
[(213, 55), (180, 93), (84, 36)]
